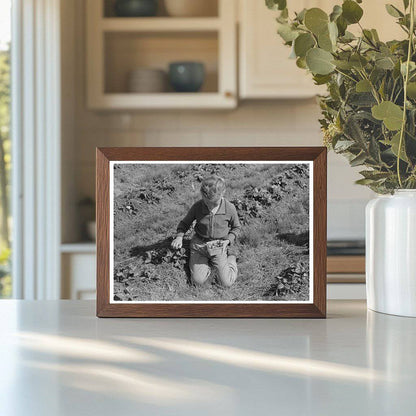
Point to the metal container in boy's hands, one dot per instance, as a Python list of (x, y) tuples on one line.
[(186, 76)]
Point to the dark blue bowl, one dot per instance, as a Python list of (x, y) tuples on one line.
[(136, 8), (186, 76)]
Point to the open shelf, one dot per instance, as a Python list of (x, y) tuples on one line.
[(160, 24), (130, 101), (127, 51), (79, 247), (108, 9), (116, 46)]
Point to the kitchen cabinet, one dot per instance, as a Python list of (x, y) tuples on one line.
[(118, 45), (78, 264), (265, 70)]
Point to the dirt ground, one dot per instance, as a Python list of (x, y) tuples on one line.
[(272, 201)]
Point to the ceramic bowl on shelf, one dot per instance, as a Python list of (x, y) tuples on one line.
[(186, 76), (147, 80), (191, 8), (135, 8)]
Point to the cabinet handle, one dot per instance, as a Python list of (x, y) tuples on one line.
[(228, 94)]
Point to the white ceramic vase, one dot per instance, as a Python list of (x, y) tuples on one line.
[(391, 253)]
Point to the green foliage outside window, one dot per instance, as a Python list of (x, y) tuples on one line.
[(5, 165)]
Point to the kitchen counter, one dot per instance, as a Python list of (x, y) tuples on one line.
[(57, 358)]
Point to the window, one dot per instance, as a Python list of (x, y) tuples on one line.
[(5, 144)]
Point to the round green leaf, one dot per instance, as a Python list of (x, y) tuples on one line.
[(301, 63), (385, 63), (327, 40), (316, 20), (303, 43), (300, 16), (358, 61), (321, 79), (276, 4), (393, 11), (391, 114), (411, 90), (375, 35), (336, 12), (394, 144), (333, 32), (319, 61), (342, 64), (363, 86), (351, 11), (342, 25), (286, 32), (324, 42), (403, 65)]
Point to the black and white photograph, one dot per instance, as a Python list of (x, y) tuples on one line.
[(211, 232)]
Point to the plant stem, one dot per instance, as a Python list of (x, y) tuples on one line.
[(392, 90), (345, 75), (406, 80), (369, 41), (373, 90)]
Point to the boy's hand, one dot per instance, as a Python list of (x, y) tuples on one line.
[(177, 243), (225, 244)]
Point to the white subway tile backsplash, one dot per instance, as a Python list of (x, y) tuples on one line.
[(268, 123), (346, 219), (173, 138), (148, 120)]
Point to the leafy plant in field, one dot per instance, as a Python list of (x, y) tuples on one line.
[(369, 113), (290, 280)]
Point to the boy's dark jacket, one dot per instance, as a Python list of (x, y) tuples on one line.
[(223, 225)]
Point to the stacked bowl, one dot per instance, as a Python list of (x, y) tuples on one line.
[(147, 80)]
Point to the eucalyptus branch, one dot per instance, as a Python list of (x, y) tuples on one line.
[(397, 95), (378, 122), (404, 29), (373, 89), (392, 90), (345, 75), (406, 79), (369, 41)]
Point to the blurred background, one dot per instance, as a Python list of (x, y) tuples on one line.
[(99, 73)]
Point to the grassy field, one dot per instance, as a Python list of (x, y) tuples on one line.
[(272, 201)]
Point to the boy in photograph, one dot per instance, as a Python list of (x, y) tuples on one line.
[(216, 228)]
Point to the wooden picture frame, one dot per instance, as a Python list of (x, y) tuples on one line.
[(314, 308)]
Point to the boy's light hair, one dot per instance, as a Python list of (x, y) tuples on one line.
[(212, 187)]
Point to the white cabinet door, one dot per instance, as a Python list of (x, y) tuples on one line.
[(78, 276), (265, 68)]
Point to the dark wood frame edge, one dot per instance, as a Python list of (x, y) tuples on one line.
[(317, 309)]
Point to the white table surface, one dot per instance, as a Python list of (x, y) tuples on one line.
[(56, 358)]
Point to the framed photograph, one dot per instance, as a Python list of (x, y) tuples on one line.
[(211, 232)]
